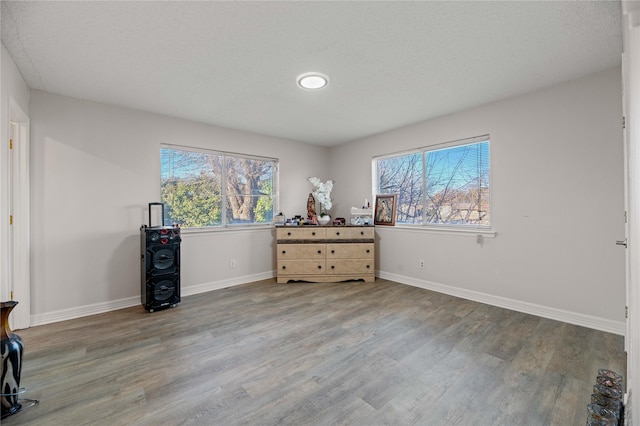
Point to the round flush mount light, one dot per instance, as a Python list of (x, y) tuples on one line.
[(312, 80)]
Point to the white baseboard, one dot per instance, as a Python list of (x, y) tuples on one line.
[(596, 323), (217, 285), (83, 311), (99, 308)]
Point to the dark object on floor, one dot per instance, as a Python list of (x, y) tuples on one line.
[(606, 407), (160, 264), (12, 349)]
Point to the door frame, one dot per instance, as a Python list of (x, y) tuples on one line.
[(631, 113), (18, 233)]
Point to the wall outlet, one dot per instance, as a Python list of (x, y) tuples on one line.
[(232, 264), (421, 264)]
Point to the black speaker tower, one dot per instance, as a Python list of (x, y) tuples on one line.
[(159, 264)]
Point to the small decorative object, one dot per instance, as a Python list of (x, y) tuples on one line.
[(279, 219), (12, 349), (606, 400), (385, 212), (322, 193), (324, 220), (361, 216), (311, 206)]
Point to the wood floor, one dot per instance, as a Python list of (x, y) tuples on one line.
[(314, 354)]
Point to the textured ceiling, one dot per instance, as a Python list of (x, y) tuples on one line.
[(234, 64)]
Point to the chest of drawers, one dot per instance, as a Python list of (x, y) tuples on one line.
[(325, 253)]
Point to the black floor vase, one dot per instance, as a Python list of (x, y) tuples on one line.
[(12, 349)]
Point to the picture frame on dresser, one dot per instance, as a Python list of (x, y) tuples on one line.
[(385, 210)]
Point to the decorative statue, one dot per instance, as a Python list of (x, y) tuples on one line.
[(311, 206), (322, 191)]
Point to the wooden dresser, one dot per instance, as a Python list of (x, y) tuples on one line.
[(325, 253)]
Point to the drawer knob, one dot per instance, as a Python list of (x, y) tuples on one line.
[(289, 233), (361, 232), (319, 251), (338, 233), (285, 252), (333, 251), (368, 266), (313, 233), (333, 267), (284, 267), (367, 250), (319, 266)]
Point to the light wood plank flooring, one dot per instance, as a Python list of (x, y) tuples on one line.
[(314, 354)]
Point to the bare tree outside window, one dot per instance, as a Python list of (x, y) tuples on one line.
[(448, 186), (194, 185), (403, 175), (249, 190)]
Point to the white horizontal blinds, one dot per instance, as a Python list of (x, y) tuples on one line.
[(185, 164), (466, 141), (459, 142), (215, 152), (457, 184)]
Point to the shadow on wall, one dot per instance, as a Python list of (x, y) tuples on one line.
[(123, 269)]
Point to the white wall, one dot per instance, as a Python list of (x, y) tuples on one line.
[(13, 85), (96, 167), (557, 204)]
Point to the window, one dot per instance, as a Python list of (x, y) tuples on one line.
[(448, 185), (205, 188)]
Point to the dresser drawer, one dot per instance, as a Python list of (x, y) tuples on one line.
[(361, 232), (301, 267), (301, 251), (337, 233), (350, 251), (350, 266), (300, 233), (350, 233)]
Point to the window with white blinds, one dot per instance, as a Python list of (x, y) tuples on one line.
[(446, 185)]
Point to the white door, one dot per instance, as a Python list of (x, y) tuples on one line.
[(627, 184), (631, 108), (19, 249)]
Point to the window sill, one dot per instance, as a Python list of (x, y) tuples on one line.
[(444, 230), (225, 229)]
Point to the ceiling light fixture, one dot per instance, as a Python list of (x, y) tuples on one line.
[(312, 80)]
